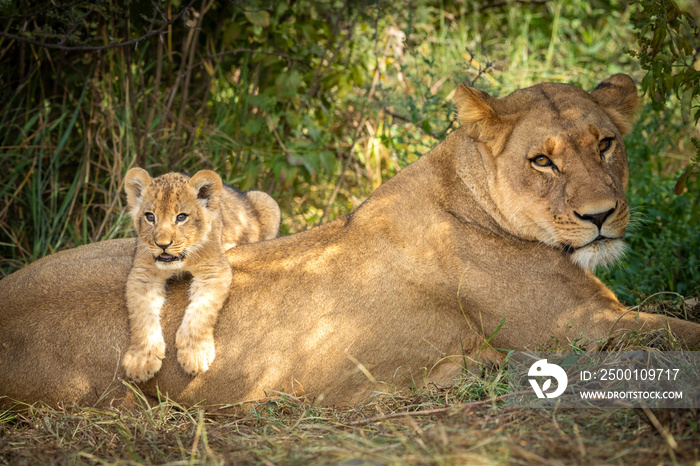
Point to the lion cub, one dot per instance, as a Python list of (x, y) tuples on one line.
[(183, 225)]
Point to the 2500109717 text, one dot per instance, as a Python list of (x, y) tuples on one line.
[(630, 374)]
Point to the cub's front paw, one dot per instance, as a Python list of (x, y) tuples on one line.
[(195, 355), (142, 362)]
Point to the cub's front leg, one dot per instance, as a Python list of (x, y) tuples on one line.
[(145, 295), (195, 337)]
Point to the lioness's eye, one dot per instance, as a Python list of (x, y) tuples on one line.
[(605, 144), (542, 161), (150, 217), (181, 217)]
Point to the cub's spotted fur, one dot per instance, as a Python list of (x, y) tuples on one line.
[(184, 225)]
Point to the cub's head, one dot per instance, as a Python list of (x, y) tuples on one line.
[(173, 213), (555, 163)]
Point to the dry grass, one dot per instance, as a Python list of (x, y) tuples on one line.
[(286, 432), (468, 424)]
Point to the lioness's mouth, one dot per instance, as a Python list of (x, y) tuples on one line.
[(569, 249)]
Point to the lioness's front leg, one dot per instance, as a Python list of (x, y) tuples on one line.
[(601, 325), (195, 337), (629, 320), (145, 295)]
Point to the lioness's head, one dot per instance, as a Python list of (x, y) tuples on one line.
[(555, 162), (173, 213)]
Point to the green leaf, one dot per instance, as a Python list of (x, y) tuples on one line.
[(264, 101), (493, 334), (250, 175), (294, 159), (312, 162), (328, 161), (682, 181), (281, 9), (357, 74), (258, 18), (231, 33), (686, 101), (252, 126), (286, 84)]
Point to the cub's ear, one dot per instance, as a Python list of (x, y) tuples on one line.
[(475, 110), (135, 183), (618, 97), (208, 186)]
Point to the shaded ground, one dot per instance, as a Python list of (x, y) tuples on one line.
[(286, 432)]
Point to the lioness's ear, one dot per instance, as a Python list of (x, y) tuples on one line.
[(135, 183), (475, 110), (208, 186), (618, 97)]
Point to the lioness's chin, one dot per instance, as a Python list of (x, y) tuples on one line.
[(598, 253)]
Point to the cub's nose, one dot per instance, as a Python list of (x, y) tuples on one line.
[(596, 219), (163, 246)]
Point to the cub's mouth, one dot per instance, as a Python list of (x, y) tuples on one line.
[(165, 257)]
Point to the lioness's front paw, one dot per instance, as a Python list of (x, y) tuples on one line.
[(485, 360), (195, 355), (142, 362)]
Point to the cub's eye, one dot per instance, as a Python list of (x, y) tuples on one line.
[(181, 218), (150, 218), (542, 161), (605, 144)]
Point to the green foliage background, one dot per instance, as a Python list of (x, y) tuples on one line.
[(315, 102)]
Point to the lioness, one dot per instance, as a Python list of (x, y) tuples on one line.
[(185, 225), (493, 226)]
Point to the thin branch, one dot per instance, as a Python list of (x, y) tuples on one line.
[(418, 124), (41, 12), (444, 132), (360, 123), (264, 52), (279, 140), (481, 70), (355, 137), (75, 26), (141, 159), (188, 75), (397, 116), (88, 48), (315, 85), (661, 429), (168, 113)]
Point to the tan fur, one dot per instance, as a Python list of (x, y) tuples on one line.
[(397, 293), (185, 225), (546, 204)]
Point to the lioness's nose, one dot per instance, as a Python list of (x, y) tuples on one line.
[(596, 219), (163, 246)]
